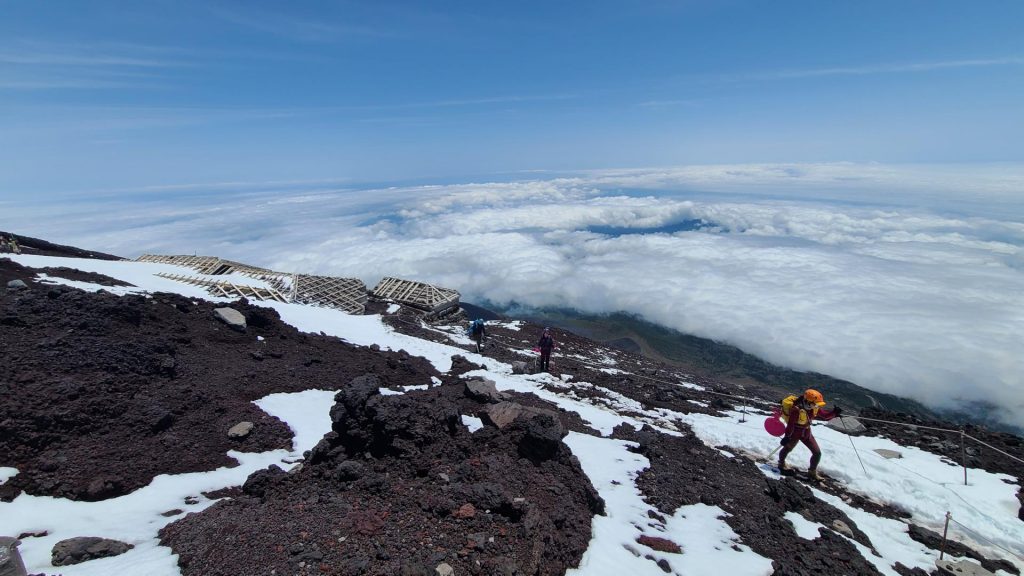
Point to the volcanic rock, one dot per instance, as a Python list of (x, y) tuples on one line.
[(82, 549), (240, 430), (483, 390), (231, 317)]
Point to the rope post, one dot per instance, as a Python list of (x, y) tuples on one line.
[(963, 455), (848, 435), (942, 547)]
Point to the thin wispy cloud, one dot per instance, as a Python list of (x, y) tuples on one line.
[(667, 103), (459, 102), (76, 60), (42, 66), (892, 68), (296, 29)]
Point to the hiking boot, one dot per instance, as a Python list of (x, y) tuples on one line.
[(785, 470), (812, 474)]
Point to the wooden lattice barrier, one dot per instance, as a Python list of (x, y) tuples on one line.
[(428, 297), (346, 294), (228, 289)]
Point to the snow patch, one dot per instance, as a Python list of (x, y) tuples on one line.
[(472, 422), (7, 473), (804, 528), (136, 518), (707, 541)]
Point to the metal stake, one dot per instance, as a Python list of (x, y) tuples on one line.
[(963, 455), (942, 548)]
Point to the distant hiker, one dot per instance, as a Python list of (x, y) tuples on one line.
[(546, 343), (478, 331), (799, 412)]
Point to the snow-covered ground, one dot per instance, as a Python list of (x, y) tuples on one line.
[(919, 482)]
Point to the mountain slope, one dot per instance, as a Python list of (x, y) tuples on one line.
[(670, 454)]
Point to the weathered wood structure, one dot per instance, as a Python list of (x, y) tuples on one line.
[(346, 294), (436, 301)]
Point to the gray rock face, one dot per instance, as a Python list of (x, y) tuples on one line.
[(502, 414), (10, 558), (240, 430), (16, 285), (961, 568), (231, 317), (847, 425), (483, 390), (520, 367), (78, 550)]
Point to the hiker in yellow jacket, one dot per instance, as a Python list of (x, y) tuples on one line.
[(799, 412)]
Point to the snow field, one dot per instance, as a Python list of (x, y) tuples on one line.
[(706, 540)]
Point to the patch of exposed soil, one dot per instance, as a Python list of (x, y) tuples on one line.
[(399, 487), (102, 393)]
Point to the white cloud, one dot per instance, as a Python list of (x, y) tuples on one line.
[(837, 268)]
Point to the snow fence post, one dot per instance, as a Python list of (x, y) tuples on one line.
[(963, 454), (942, 547)]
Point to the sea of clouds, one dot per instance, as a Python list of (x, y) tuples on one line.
[(903, 279)]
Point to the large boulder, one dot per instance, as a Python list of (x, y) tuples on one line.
[(483, 390), (10, 559), (82, 549)]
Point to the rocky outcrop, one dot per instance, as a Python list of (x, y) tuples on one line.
[(78, 550), (400, 486)]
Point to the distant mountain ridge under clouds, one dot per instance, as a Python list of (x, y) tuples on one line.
[(730, 364)]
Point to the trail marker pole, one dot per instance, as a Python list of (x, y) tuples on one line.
[(942, 548), (963, 455)]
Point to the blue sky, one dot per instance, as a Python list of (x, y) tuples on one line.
[(109, 95)]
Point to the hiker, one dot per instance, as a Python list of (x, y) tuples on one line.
[(546, 343), (478, 331), (799, 413)]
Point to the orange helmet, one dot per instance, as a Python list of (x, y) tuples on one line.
[(814, 397)]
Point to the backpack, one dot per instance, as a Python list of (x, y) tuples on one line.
[(787, 405), (476, 327)]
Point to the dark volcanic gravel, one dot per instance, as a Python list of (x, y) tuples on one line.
[(399, 487), (102, 392)]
